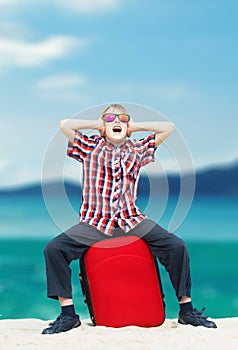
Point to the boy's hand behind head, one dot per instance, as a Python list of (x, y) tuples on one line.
[(100, 126)]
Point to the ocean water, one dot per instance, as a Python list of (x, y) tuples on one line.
[(210, 230)]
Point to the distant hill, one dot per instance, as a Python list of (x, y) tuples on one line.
[(53, 188), (210, 182), (218, 181)]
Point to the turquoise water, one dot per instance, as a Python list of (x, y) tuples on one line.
[(210, 230)]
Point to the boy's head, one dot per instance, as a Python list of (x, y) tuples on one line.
[(116, 120)]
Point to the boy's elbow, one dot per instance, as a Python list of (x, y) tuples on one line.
[(62, 123), (171, 127)]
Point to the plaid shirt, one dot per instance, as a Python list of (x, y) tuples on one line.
[(110, 180)]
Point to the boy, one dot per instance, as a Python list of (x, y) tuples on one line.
[(111, 165)]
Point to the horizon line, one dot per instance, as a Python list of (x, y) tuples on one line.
[(203, 169)]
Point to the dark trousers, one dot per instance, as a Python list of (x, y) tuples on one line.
[(70, 245)]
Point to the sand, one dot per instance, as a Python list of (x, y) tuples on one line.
[(26, 334)]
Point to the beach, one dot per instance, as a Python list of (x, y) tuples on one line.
[(26, 334), (25, 308)]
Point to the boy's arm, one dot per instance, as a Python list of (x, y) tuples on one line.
[(161, 129), (68, 126)]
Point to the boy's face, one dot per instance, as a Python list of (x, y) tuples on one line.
[(115, 131)]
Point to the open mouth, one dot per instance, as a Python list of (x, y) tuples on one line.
[(117, 129)]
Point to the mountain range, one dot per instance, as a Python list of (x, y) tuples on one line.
[(210, 182)]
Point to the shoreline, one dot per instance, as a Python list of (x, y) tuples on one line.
[(26, 334)]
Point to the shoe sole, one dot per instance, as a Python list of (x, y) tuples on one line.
[(66, 330), (195, 325), (75, 326)]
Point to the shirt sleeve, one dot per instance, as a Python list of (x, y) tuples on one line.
[(146, 149), (82, 146)]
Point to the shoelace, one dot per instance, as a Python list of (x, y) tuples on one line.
[(199, 313), (52, 323)]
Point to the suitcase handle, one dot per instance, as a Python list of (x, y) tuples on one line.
[(85, 291), (83, 287)]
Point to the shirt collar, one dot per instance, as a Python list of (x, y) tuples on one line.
[(111, 146)]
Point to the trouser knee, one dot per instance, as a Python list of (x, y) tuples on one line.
[(179, 247), (50, 250), (179, 255)]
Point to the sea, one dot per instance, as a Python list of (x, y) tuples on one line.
[(208, 225)]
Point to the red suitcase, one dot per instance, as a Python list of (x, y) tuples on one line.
[(121, 283)]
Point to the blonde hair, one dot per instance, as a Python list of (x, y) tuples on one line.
[(113, 106)]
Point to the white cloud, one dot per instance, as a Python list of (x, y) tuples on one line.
[(77, 88), (7, 2), (171, 91), (62, 81), (168, 92), (13, 29), (66, 86), (87, 6), (22, 53), (80, 6), (3, 164)]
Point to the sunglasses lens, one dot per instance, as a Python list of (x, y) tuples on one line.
[(109, 118), (124, 118)]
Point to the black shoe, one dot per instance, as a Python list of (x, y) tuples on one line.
[(63, 323), (195, 318)]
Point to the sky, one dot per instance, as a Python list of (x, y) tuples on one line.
[(165, 59)]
